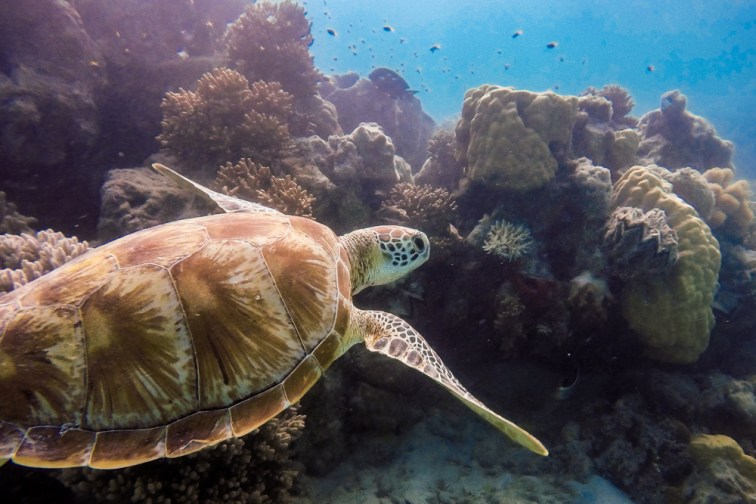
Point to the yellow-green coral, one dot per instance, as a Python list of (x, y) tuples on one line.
[(671, 313), (732, 214), (722, 473), (512, 139)]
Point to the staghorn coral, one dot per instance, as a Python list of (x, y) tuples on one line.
[(671, 313), (11, 221), (508, 241), (673, 137), (732, 214), (26, 257), (512, 139), (639, 243), (421, 206), (270, 42), (254, 469), (226, 119), (251, 181)]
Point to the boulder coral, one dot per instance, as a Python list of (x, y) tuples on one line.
[(723, 472), (514, 139), (732, 214), (672, 137), (671, 313), (224, 120)]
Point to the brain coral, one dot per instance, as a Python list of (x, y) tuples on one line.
[(512, 139), (671, 313)]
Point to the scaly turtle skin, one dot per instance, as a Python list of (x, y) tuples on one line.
[(180, 336)]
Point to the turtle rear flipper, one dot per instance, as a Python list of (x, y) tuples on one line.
[(389, 335)]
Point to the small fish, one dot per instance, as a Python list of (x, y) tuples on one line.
[(552, 45), (507, 66), (435, 47), (331, 32), (388, 28), (555, 87), (561, 59), (183, 54), (650, 68), (517, 33), (402, 40)]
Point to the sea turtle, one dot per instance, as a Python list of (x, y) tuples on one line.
[(177, 337)]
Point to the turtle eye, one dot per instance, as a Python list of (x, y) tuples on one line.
[(419, 243)]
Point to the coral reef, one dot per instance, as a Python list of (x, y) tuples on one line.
[(138, 198), (441, 168), (254, 469), (253, 182), (270, 42), (671, 313), (639, 243), (508, 241), (602, 129), (224, 120), (672, 137), (621, 103), (11, 221), (26, 257), (691, 186), (732, 214), (402, 119), (510, 139), (723, 473), (424, 207)]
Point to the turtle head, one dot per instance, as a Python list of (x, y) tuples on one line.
[(382, 254)]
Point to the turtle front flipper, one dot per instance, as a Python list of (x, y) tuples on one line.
[(228, 204), (388, 334)]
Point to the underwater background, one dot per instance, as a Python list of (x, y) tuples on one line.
[(583, 171)]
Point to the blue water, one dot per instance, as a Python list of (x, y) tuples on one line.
[(704, 48)]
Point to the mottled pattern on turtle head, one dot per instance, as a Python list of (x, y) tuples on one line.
[(382, 254)]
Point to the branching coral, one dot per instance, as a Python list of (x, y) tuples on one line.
[(26, 257), (253, 469), (671, 313), (270, 42), (226, 119), (508, 241), (251, 181), (511, 139), (732, 214), (10, 220), (421, 206)]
